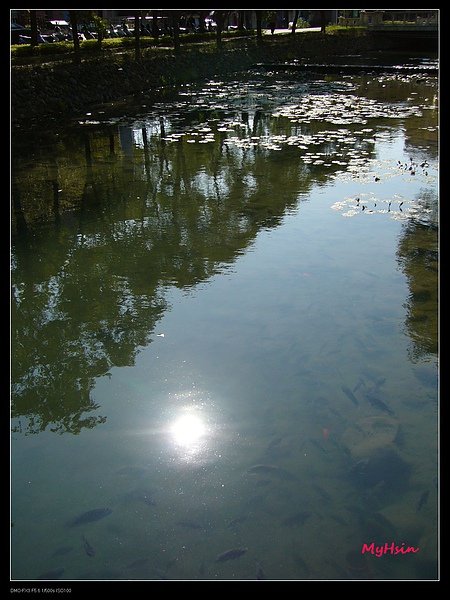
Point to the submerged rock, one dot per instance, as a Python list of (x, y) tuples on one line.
[(382, 465), (369, 435)]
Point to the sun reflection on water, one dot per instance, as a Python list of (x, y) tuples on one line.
[(189, 433), (188, 430)]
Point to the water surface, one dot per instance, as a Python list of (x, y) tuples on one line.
[(224, 330)]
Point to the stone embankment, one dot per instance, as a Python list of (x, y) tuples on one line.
[(62, 88)]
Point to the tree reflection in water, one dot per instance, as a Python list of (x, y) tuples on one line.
[(128, 224), (418, 256)]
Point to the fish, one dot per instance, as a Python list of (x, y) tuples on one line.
[(318, 445), (189, 524), (202, 570), (277, 449), (138, 495), (91, 515), (132, 471), (339, 520), (377, 403), (53, 574), (148, 501), (87, 547), (325, 433), (231, 554), (350, 395), (275, 442), (382, 520), (422, 500), (340, 570), (379, 382), (260, 575), (263, 482), (359, 383), (62, 550), (297, 519), (300, 563), (140, 562), (271, 470), (356, 510), (322, 493), (237, 521)]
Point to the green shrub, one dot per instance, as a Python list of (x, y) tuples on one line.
[(18, 50), (54, 48), (302, 24), (343, 30), (89, 46)]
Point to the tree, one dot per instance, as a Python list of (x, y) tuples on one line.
[(100, 27), (137, 35), (241, 20), (258, 26), (219, 17), (34, 28), (323, 21), (76, 40), (155, 30), (271, 18), (294, 21), (201, 21), (175, 23)]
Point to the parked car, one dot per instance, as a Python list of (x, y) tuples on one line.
[(18, 31)]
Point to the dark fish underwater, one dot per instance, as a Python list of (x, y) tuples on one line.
[(90, 516)]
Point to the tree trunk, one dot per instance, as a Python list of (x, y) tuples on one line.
[(175, 21), (201, 23), (259, 37), (137, 35), (76, 39), (294, 22), (323, 21), (219, 18), (101, 30), (21, 224), (241, 18), (155, 30), (34, 28)]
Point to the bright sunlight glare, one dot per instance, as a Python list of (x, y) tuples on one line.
[(188, 430)]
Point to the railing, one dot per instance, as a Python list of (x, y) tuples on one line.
[(388, 19), (346, 22)]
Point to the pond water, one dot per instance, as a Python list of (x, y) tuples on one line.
[(224, 332)]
